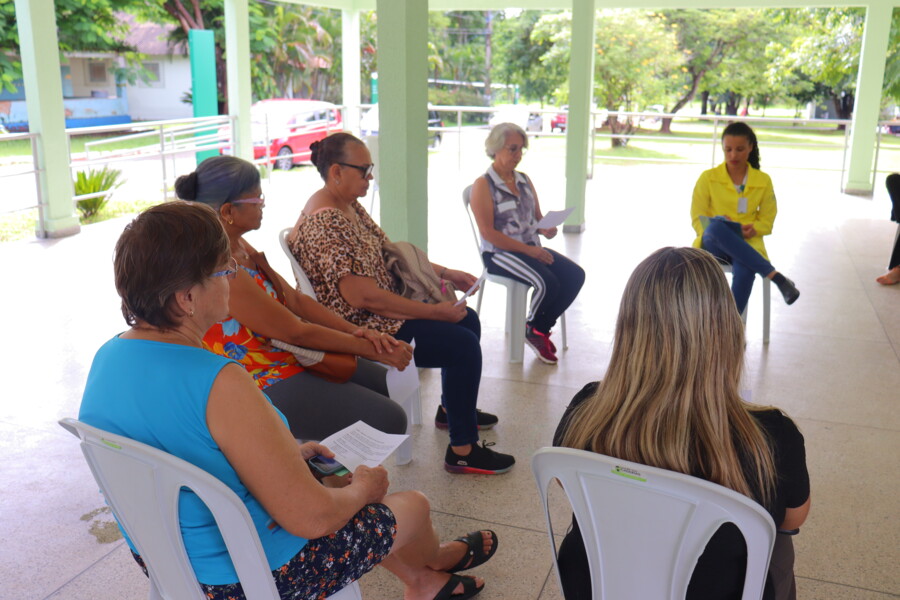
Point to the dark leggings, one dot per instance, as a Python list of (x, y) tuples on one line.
[(454, 348), (895, 253), (316, 408), (555, 286)]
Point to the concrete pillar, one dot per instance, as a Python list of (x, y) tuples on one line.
[(237, 51), (36, 22), (403, 119), (579, 126), (350, 58), (860, 178)]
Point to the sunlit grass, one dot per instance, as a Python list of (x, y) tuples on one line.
[(21, 225)]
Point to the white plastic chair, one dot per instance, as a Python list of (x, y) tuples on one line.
[(767, 301), (141, 484), (400, 383), (371, 142), (303, 281), (516, 297), (644, 528)]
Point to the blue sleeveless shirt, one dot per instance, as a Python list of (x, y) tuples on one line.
[(156, 393)]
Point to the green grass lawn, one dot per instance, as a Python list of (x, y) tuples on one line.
[(21, 225)]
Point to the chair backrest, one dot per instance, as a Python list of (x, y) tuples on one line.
[(467, 198), (644, 528), (299, 274), (142, 484)]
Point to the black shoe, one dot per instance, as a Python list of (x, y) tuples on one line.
[(485, 420), (480, 461), (788, 290)]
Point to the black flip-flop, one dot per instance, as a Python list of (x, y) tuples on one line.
[(469, 589), (474, 556)]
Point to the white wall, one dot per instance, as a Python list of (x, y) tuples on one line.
[(162, 99)]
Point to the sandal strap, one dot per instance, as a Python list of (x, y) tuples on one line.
[(468, 585), (475, 555)]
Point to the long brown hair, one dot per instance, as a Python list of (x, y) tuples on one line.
[(670, 398)]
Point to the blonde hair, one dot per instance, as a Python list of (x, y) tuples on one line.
[(670, 397)]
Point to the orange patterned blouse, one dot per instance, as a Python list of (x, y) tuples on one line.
[(267, 365)]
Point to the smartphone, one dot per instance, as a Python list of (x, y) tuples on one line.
[(327, 466)]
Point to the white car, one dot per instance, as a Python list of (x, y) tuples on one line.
[(517, 114)]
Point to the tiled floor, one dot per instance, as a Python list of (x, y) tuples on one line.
[(832, 364)]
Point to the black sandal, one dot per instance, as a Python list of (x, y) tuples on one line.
[(469, 589), (474, 556)]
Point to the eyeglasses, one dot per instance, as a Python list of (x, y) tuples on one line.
[(366, 170), (229, 273), (515, 148), (261, 201)]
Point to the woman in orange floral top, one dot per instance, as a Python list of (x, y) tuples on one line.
[(339, 247), (263, 306)]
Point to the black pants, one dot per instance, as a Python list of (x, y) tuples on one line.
[(895, 253), (454, 348), (555, 286)]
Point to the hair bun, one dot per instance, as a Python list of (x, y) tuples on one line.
[(314, 148), (186, 186)]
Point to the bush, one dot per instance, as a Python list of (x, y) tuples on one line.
[(94, 181)]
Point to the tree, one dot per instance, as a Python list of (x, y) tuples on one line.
[(828, 52), (81, 26), (634, 51), (706, 39), (518, 57)]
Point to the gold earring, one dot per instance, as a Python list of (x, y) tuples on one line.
[(231, 221), (191, 314)]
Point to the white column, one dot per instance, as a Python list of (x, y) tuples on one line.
[(237, 51), (403, 118), (350, 56), (868, 99), (39, 46), (578, 129)]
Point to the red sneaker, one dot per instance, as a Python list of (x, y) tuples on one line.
[(541, 344)]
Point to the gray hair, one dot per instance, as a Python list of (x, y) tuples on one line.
[(218, 180), (496, 139)]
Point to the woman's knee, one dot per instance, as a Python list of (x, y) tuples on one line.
[(411, 510)]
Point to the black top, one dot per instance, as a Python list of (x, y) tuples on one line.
[(719, 574)]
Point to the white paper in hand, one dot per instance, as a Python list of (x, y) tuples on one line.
[(478, 283), (362, 444), (554, 218)]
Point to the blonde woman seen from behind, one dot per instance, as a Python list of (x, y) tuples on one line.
[(670, 399)]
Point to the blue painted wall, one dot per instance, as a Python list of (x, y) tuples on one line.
[(80, 112)]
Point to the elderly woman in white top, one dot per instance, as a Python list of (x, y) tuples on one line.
[(507, 211)]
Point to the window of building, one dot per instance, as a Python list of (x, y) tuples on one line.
[(97, 72), (153, 72)]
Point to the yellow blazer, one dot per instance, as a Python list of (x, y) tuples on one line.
[(715, 195)]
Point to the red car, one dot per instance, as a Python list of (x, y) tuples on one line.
[(558, 123), (289, 127)]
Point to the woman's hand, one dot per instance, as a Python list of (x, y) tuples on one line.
[(462, 280), (549, 233), (748, 231), (381, 341), (310, 449), (447, 311), (399, 357), (541, 254), (373, 481)]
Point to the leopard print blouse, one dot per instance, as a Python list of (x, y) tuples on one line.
[(329, 246)]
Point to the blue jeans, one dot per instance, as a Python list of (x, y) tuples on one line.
[(455, 348), (724, 243)]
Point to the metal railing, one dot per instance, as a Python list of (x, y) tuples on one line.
[(40, 226)]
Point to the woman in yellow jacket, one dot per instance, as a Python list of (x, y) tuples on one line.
[(732, 208)]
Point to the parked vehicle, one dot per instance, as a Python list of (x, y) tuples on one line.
[(288, 127), (368, 125), (518, 114), (558, 123)]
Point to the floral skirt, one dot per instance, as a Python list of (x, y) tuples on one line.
[(327, 564)]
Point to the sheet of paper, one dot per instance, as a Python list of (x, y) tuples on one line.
[(554, 218), (478, 283), (362, 444)]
